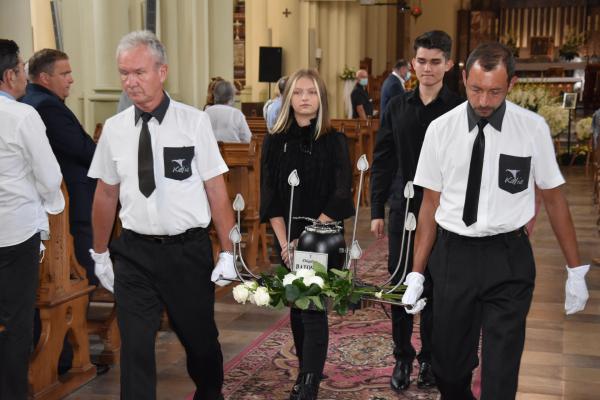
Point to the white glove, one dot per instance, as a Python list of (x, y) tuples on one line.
[(414, 290), (103, 269), (417, 308), (576, 292), (224, 271)]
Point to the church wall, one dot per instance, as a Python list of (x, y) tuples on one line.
[(197, 34), (345, 31), (441, 15), (15, 24)]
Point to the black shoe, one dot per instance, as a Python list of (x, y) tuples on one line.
[(101, 369), (308, 389), (296, 388), (426, 379), (401, 376)]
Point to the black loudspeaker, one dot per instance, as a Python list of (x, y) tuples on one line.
[(269, 64)]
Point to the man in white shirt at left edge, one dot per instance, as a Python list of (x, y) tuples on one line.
[(30, 181)]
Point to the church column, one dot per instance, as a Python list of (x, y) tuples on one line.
[(91, 31), (43, 28), (284, 17), (221, 38), (339, 33), (258, 34)]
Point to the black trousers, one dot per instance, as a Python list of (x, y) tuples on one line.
[(151, 274), (311, 338), (82, 243), (402, 323), (480, 285), (81, 196), (19, 276)]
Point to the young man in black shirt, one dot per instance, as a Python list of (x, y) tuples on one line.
[(397, 149)]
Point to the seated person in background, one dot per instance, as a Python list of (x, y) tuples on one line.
[(228, 123), (272, 107), (210, 99)]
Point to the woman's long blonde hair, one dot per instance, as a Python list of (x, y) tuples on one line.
[(286, 115)]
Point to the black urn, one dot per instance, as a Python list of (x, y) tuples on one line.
[(326, 238)]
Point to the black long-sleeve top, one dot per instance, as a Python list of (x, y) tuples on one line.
[(397, 148), (324, 170)]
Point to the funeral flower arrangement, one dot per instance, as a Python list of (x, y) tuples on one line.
[(556, 117), (318, 289), (583, 129), (532, 97), (348, 74), (573, 42)]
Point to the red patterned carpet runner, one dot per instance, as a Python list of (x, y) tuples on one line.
[(359, 361)]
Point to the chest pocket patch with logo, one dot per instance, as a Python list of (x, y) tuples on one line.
[(178, 162), (513, 173)]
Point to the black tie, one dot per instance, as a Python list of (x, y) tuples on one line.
[(145, 159), (474, 183)]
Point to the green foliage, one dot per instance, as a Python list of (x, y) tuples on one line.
[(348, 74), (316, 289)]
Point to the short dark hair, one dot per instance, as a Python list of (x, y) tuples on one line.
[(281, 84), (434, 40), (490, 55), (9, 56), (401, 63), (43, 61)]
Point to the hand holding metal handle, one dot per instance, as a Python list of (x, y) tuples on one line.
[(409, 193), (293, 181), (410, 225)]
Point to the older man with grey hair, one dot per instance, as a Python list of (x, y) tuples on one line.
[(161, 160), (228, 123)]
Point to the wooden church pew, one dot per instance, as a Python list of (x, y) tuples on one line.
[(243, 160), (62, 299)]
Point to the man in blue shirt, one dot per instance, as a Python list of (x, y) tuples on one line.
[(272, 108)]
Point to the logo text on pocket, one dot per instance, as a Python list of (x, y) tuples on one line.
[(513, 173)]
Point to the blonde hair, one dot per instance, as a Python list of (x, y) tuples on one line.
[(286, 115)]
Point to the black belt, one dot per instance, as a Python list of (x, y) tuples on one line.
[(190, 233), (506, 235)]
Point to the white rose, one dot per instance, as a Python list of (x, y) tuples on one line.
[(303, 273), (289, 278), (241, 293), (317, 280), (261, 296), (251, 285)]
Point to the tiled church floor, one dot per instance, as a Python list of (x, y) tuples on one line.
[(562, 354)]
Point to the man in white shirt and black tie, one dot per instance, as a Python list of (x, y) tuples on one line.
[(30, 181), (161, 160), (479, 166)]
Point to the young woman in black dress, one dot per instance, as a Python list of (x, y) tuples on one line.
[(303, 139)]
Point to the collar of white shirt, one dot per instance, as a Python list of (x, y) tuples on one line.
[(7, 95), (158, 113), (495, 119), (398, 76)]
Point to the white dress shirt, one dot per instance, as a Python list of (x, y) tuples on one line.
[(185, 155), (517, 157), (30, 176), (401, 79), (229, 124)]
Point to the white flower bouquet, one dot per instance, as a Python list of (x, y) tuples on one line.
[(583, 129), (308, 288), (556, 117)]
